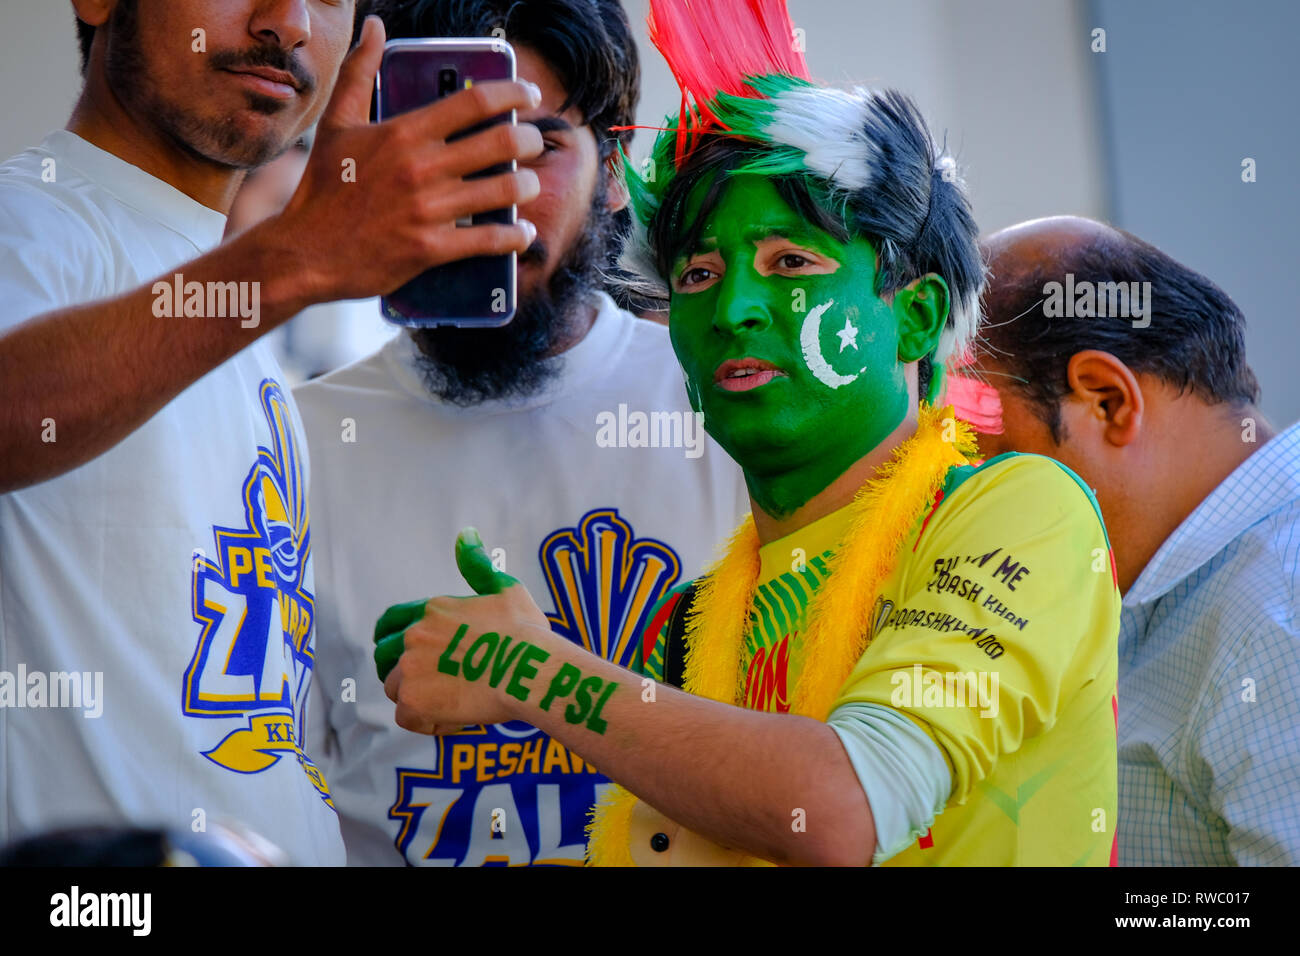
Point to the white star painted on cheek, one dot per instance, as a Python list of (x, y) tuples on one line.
[(848, 336)]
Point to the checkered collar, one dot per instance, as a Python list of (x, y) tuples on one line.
[(1260, 485)]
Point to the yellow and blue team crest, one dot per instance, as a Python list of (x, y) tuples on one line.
[(605, 582), (254, 654)]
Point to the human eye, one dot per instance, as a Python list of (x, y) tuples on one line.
[(796, 261), (694, 275)]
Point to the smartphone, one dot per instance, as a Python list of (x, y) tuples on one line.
[(479, 291)]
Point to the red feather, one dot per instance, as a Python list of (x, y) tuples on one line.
[(712, 45)]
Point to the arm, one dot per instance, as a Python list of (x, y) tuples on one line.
[(1246, 738), (102, 369), (733, 775)]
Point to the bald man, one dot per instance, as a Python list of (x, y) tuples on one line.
[(1130, 368)]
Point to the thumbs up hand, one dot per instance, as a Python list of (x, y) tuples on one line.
[(378, 203), (446, 661), (477, 568)]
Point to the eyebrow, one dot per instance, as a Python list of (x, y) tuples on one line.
[(791, 232), (797, 234), (552, 124)]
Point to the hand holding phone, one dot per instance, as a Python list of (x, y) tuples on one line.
[(478, 291), (378, 202)]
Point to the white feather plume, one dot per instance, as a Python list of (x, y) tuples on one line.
[(828, 125)]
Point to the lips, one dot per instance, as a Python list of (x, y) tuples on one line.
[(745, 375), (267, 80)]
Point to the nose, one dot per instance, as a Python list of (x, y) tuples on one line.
[(286, 23), (742, 302)]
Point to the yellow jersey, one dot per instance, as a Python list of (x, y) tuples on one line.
[(996, 633)]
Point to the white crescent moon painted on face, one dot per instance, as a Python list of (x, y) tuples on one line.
[(810, 339)]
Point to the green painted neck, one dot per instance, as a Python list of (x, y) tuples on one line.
[(783, 491)]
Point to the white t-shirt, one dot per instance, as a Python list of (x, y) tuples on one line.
[(161, 594), (585, 511)]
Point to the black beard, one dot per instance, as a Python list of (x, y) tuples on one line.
[(467, 367)]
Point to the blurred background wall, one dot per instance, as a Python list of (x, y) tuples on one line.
[(1149, 134)]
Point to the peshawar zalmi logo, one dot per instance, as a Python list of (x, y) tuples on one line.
[(605, 581), (254, 654)]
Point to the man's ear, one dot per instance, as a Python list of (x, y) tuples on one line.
[(921, 308), (616, 195), (1108, 391), (93, 12)]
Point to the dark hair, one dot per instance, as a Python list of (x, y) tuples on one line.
[(673, 233), (588, 44), (1195, 340), (86, 33)]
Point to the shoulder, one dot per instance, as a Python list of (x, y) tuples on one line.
[(1018, 510), (684, 591), (1033, 486), (54, 245), (1246, 599), (643, 336), (663, 641), (366, 379), (51, 213)]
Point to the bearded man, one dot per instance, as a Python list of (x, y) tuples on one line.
[(902, 658), (567, 426)]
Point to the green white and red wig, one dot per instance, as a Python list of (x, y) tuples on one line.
[(866, 153)]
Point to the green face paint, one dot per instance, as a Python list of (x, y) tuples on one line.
[(794, 359)]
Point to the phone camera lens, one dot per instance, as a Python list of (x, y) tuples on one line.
[(446, 81)]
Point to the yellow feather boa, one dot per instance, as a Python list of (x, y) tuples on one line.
[(884, 512)]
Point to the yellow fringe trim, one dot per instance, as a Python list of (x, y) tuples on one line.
[(607, 832), (724, 598), (884, 511), (883, 514)]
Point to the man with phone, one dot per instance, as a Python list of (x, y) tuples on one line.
[(566, 434), (157, 615)]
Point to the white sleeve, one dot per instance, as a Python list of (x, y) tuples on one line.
[(49, 257), (902, 772)]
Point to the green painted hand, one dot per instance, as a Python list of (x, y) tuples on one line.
[(477, 570), (390, 630), (476, 567)]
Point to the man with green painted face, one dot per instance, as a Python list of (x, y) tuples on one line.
[(902, 657)]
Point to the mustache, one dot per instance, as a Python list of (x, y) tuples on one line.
[(270, 56)]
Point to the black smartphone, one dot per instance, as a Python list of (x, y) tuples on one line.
[(479, 291)]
